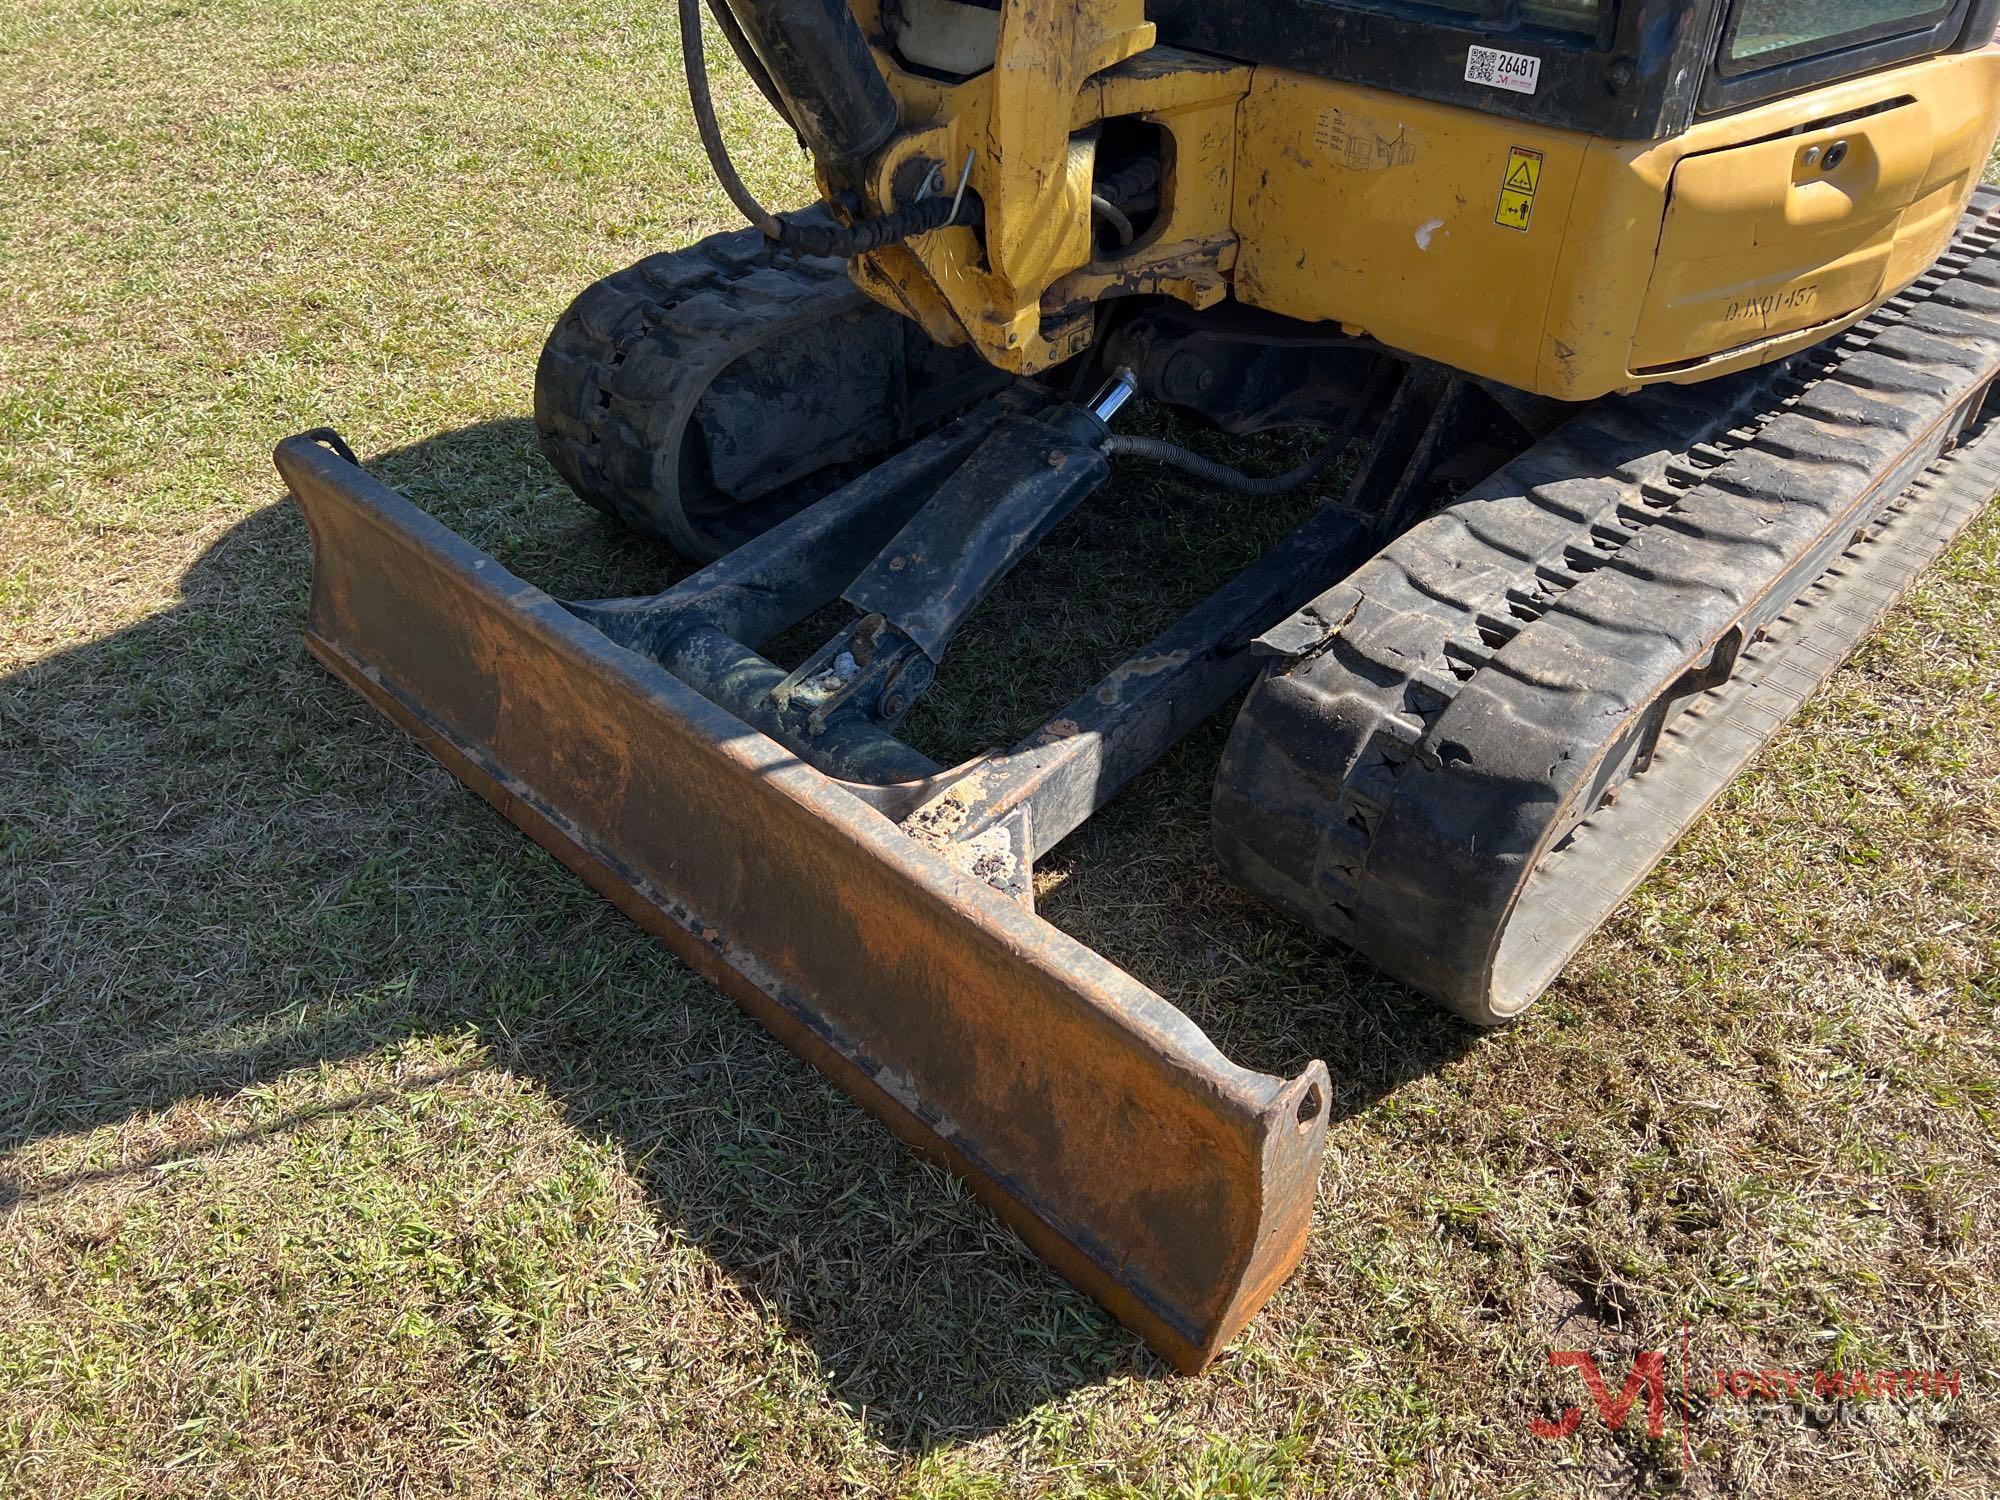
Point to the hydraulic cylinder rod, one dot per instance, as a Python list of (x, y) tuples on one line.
[(818, 60)]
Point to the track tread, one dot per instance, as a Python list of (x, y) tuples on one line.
[(630, 403), (1547, 611), (626, 364)]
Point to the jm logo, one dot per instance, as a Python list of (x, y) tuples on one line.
[(1648, 1375)]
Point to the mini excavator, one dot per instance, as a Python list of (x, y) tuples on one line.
[(1643, 354)]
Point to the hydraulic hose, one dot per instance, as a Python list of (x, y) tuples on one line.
[(1113, 215), (1123, 445), (695, 66), (1132, 187), (844, 241)]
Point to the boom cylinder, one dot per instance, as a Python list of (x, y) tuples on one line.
[(834, 95)]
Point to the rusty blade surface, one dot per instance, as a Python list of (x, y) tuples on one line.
[(1172, 1185)]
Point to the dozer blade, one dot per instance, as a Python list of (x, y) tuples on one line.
[(1170, 1184)]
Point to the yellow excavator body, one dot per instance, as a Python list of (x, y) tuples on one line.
[(1556, 261)]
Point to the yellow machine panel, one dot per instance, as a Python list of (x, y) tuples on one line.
[(1575, 266), (1435, 230)]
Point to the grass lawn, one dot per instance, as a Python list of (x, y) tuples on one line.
[(351, 1146)]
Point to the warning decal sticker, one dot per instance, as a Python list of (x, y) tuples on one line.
[(1517, 188)]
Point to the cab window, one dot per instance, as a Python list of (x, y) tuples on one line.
[(1578, 17), (1766, 32)]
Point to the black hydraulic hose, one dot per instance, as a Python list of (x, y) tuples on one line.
[(1132, 186), (844, 241), (1233, 479), (695, 66), (1113, 215), (849, 240), (1124, 445)]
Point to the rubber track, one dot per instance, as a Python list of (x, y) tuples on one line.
[(1607, 856), (626, 365), (1484, 681)]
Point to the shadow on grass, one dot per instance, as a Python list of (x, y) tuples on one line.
[(221, 866)]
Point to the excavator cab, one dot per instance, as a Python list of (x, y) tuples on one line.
[(1645, 351)]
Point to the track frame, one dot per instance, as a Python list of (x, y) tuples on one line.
[(1449, 780)]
